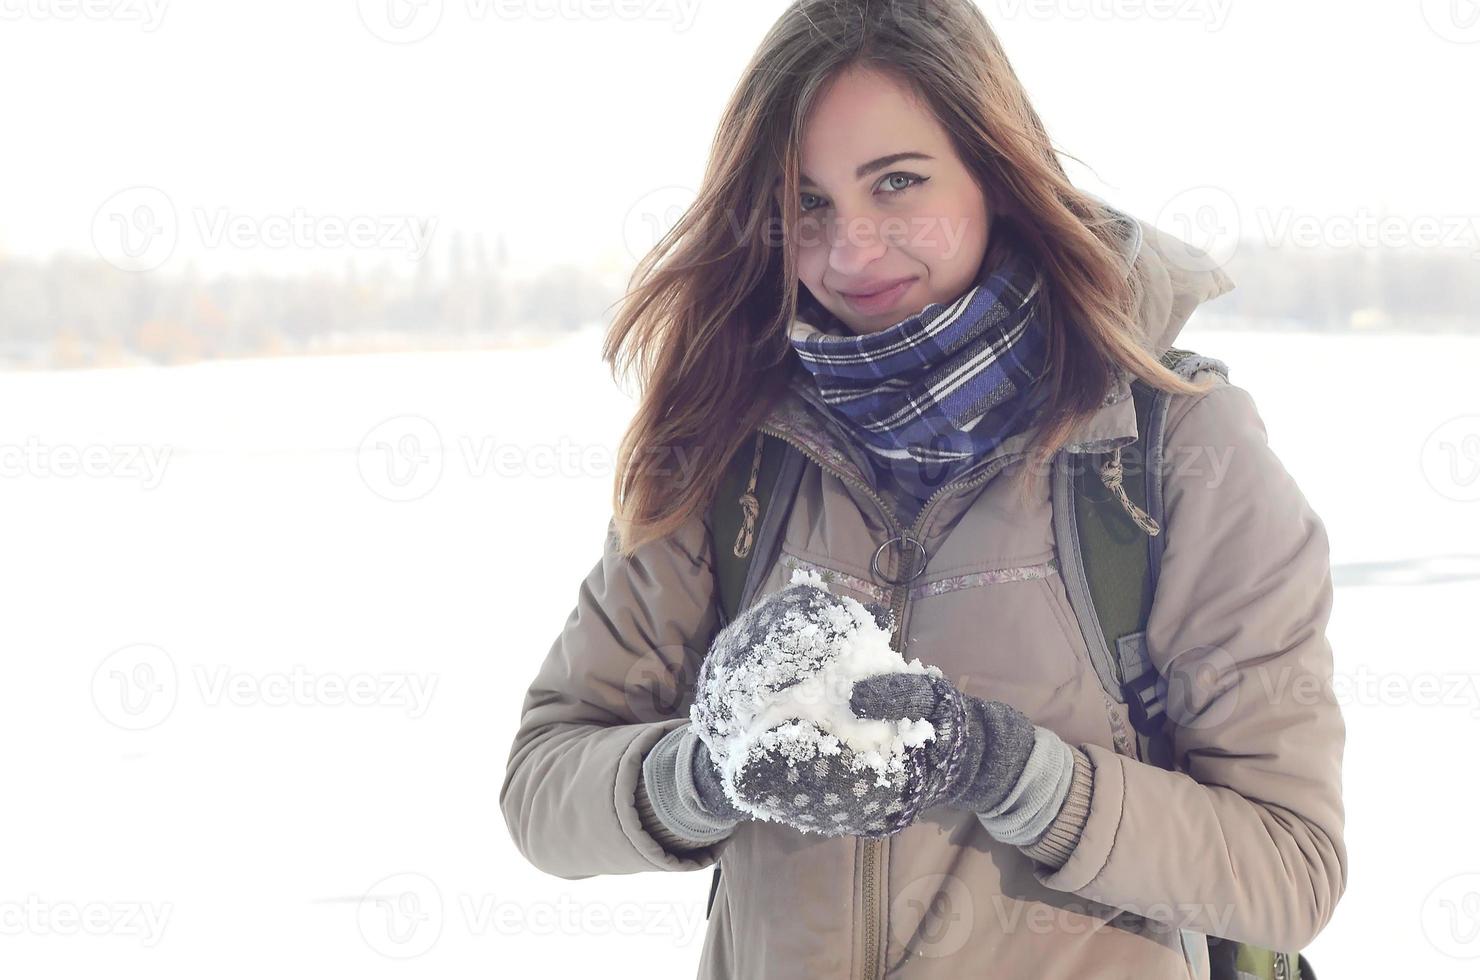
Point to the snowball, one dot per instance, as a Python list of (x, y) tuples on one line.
[(781, 684)]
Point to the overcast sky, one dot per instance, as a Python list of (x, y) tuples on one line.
[(566, 126)]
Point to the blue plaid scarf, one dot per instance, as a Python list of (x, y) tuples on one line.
[(930, 395)]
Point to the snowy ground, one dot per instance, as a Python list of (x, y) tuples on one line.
[(266, 654)]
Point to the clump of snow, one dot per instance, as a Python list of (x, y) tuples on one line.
[(782, 685)]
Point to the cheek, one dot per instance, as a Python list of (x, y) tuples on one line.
[(951, 237), (811, 264)]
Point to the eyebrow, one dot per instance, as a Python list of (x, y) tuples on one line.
[(874, 165)]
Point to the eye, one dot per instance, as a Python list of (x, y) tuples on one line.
[(891, 189), (913, 180)]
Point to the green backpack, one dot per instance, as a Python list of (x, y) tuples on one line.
[(1109, 565)]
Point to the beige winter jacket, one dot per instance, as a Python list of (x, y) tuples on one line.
[(1246, 844)]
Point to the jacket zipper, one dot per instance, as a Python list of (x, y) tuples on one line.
[(898, 599)]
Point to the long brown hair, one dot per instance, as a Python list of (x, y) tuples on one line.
[(704, 325)]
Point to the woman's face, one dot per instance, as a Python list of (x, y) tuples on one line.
[(891, 219)]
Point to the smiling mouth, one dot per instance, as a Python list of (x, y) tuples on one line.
[(881, 302), (881, 290)]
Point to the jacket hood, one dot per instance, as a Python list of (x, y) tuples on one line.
[(1176, 279)]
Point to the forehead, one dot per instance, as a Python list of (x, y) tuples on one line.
[(860, 116)]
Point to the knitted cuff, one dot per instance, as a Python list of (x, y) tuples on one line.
[(1034, 800), (667, 803), (1062, 836)]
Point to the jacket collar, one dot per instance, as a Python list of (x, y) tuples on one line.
[(1176, 278)]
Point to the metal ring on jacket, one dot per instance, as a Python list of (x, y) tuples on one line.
[(873, 565)]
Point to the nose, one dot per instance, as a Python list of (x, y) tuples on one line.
[(855, 243)]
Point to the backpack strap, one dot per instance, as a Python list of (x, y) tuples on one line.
[(748, 515), (746, 520), (1110, 563), (1110, 567)]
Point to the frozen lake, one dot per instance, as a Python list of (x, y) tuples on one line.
[(270, 623)]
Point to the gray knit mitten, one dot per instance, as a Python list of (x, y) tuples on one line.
[(980, 748), (767, 628), (976, 757), (831, 795), (783, 638), (706, 779)]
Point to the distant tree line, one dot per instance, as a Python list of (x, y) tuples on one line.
[(70, 311)]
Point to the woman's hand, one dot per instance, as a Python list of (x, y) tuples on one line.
[(769, 783), (980, 748), (707, 781), (831, 795), (976, 757)]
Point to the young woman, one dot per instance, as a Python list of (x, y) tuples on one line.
[(887, 267)]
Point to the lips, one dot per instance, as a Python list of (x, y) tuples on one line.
[(874, 289), (883, 297)]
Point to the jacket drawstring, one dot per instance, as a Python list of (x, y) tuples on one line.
[(1112, 474), (750, 505)]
